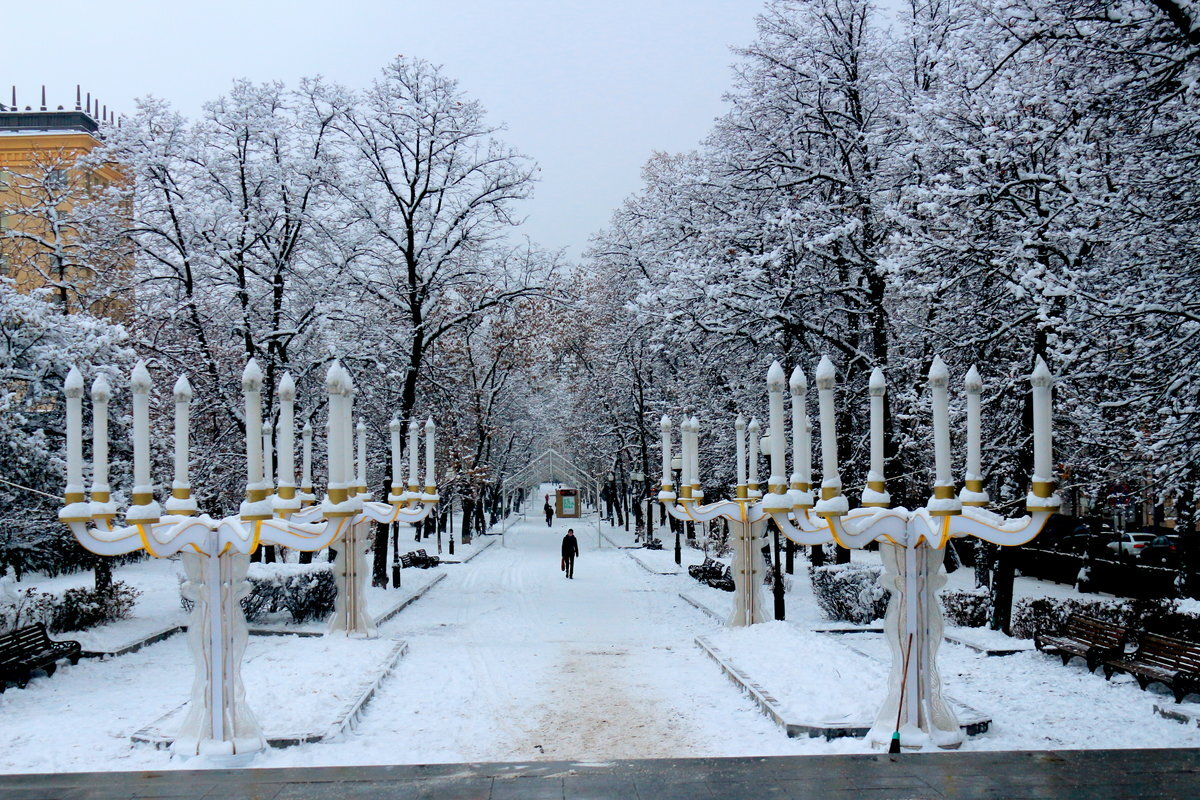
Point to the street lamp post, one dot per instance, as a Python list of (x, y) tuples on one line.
[(676, 469)]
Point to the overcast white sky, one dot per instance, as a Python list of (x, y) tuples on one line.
[(589, 88)]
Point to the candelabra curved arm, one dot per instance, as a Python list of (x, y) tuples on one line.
[(301, 536), (307, 515), (694, 512), (991, 527), (855, 529), (385, 513)]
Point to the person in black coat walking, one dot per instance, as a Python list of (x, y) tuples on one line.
[(549, 511), (570, 549)]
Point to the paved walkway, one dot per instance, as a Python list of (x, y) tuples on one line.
[(1066, 775)]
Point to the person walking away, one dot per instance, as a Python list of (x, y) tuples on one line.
[(570, 549), (549, 510)]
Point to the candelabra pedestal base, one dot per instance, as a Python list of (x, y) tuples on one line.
[(749, 570), (350, 573), (914, 575), (219, 722)]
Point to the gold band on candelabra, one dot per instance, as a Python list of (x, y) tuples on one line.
[(777, 488), (685, 492), (830, 492), (181, 494), (287, 492), (876, 486), (337, 497), (943, 492), (360, 490), (307, 492), (70, 498), (257, 495), (1043, 489), (142, 498), (974, 485), (429, 490), (742, 492), (100, 497)]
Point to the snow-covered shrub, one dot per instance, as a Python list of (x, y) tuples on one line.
[(1050, 614), (76, 609), (80, 607), (967, 608), (849, 592), (305, 591)]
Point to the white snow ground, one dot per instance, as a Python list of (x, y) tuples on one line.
[(509, 661)]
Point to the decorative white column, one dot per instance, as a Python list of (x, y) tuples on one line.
[(876, 495), (181, 502), (944, 502), (103, 510), (801, 483), (739, 429), (143, 509), (972, 493), (832, 502), (286, 501), (752, 489), (306, 494), (75, 506)]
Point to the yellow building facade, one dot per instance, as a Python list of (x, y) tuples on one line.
[(60, 220)]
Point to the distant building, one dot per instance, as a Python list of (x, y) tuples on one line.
[(59, 225)]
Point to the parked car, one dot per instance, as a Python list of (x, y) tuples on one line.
[(1160, 550), (1130, 544)]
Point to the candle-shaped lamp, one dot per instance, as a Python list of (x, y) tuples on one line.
[(1043, 465), (285, 438), (875, 495), (306, 479), (257, 506), (143, 509), (180, 502), (801, 442), (832, 502), (944, 500), (739, 427), (430, 450), (697, 492), (752, 459), (362, 458), (664, 426), (75, 508), (414, 439), (268, 456), (102, 506), (972, 493), (396, 490), (685, 459), (775, 380)]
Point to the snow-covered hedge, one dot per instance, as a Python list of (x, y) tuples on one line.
[(966, 608), (849, 592), (1050, 614), (75, 609), (305, 591)]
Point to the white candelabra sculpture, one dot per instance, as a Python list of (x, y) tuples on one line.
[(911, 542), (744, 512), (215, 553), (347, 498)]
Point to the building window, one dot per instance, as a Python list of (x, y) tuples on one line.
[(5, 180), (57, 179)]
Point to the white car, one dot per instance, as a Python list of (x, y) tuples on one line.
[(1130, 544)]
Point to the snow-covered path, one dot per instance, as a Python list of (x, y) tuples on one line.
[(510, 660)]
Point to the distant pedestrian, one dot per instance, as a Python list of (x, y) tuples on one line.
[(570, 549), (549, 510)]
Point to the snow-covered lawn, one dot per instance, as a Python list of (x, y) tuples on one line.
[(508, 660)]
